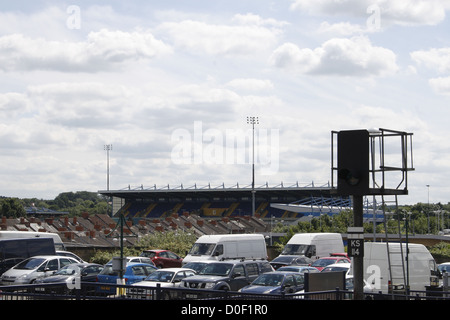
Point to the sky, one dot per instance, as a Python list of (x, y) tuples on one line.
[(169, 85)]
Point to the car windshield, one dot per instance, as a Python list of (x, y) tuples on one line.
[(327, 269), (269, 280), (295, 249), (217, 269), (68, 270), (293, 269), (196, 266), (30, 264), (160, 276), (148, 254), (202, 248), (286, 259), (323, 262)]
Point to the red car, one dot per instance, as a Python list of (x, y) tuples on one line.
[(163, 258), (323, 262)]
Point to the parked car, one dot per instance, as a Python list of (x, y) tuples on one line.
[(227, 275), (28, 270), (323, 262), (299, 269), (72, 274), (337, 267), (163, 258), (137, 259), (276, 283), (134, 272), (349, 285), (444, 267), (166, 278), (69, 254), (286, 260)]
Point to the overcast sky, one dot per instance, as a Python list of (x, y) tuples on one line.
[(169, 84)]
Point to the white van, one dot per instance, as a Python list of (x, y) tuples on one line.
[(421, 266), (314, 245), (59, 245), (229, 246)]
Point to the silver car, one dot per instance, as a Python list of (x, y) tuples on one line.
[(35, 267)]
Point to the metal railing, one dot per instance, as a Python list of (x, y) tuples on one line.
[(103, 291)]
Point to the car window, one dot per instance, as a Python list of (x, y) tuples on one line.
[(163, 254), (172, 255), (52, 265), (30, 264), (252, 269), (265, 267), (289, 281), (149, 269), (219, 250), (239, 269), (138, 271), (189, 273), (64, 262), (299, 279)]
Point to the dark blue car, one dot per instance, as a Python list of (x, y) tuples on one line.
[(276, 283), (134, 272)]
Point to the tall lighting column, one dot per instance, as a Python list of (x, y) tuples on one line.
[(253, 121), (107, 147)]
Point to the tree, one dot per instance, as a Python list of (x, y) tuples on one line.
[(12, 208)]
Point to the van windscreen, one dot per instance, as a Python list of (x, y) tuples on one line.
[(296, 249), (200, 249)]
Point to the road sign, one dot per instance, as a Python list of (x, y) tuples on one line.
[(355, 248)]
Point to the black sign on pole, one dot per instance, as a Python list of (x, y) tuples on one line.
[(353, 162), (355, 240)]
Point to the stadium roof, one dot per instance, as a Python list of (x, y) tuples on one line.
[(284, 192)]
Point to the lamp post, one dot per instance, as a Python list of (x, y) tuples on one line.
[(253, 121), (107, 147), (428, 209)]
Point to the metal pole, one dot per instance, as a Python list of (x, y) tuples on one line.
[(253, 121), (358, 269), (107, 147)]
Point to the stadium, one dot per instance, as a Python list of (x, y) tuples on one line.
[(283, 201)]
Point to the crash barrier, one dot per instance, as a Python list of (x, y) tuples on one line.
[(103, 291)]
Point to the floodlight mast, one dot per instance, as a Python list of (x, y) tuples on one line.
[(107, 147), (253, 121)]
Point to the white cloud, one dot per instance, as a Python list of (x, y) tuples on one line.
[(100, 51), (406, 12), (201, 37), (440, 85), (251, 84), (436, 59), (343, 28), (338, 56)]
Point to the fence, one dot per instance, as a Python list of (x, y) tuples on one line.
[(103, 291)]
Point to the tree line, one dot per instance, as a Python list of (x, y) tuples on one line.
[(74, 203)]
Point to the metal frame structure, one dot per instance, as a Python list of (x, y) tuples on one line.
[(380, 140)]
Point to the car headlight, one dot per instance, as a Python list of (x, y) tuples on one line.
[(210, 285)]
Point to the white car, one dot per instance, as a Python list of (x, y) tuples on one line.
[(33, 268), (165, 278)]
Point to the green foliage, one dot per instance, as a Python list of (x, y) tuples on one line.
[(441, 252), (11, 208), (178, 242)]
